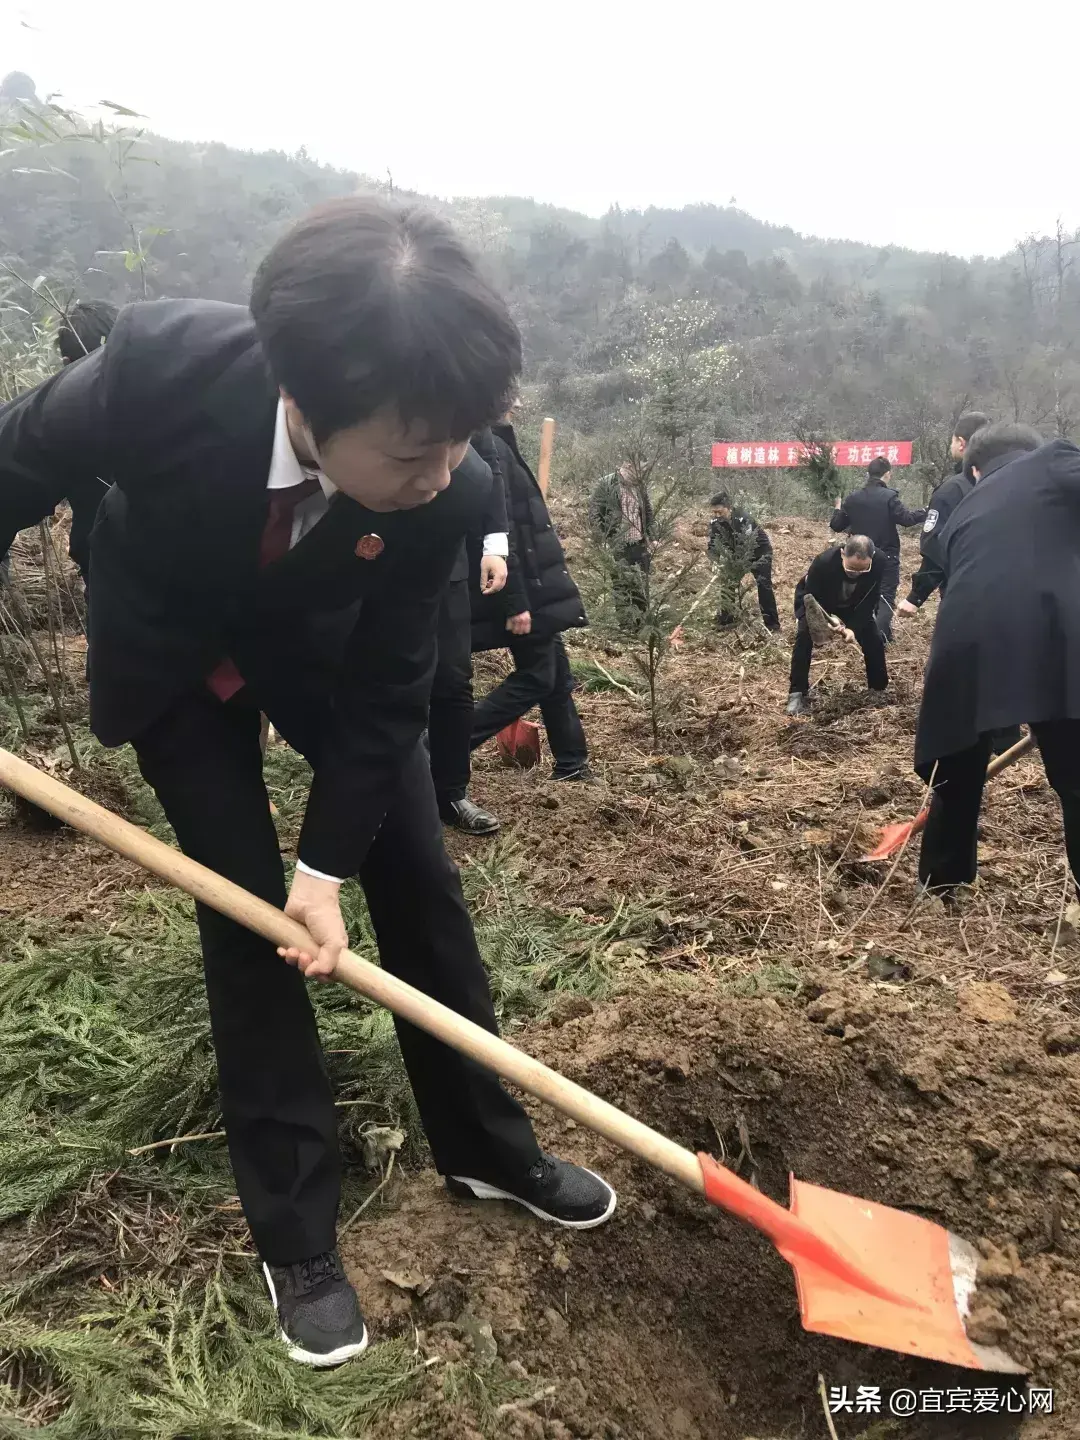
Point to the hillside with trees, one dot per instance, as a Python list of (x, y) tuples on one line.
[(721, 326)]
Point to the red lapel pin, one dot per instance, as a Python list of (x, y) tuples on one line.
[(370, 547)]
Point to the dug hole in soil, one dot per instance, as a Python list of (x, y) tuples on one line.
[(676, 1321)]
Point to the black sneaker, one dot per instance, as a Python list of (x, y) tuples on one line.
[(584, 775), (317, 1309), (470, 819), (553, 1190)]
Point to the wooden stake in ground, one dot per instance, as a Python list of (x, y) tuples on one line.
[(547, 444)]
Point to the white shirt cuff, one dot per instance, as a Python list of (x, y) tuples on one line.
[(317, 874), (497, 544)]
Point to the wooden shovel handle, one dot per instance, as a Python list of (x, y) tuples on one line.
[(1010, 756), (385, 989)]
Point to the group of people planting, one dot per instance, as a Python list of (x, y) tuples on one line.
[(1000, 540), (315, 509)]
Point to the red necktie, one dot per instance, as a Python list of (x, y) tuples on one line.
[(225, 680)]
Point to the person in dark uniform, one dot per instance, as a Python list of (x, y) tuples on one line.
[(1006, 646), (741, 546), (83, 329), (540, 601), (845, 580), (451, 717), (290, 487), (930, 575), (875, 511)]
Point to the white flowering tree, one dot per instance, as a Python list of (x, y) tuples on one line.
[(681, 364)]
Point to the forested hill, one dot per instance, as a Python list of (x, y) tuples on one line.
[(726, 326)]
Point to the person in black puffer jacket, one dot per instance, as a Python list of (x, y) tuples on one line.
[(539, 602)]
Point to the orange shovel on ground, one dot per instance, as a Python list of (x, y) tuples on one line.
[(864, 1272), (893, 836)]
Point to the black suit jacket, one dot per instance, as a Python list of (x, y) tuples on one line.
[(177, 411), (1006, 646), (824, 580)]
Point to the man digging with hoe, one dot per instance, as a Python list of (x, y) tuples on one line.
[(290, 488)]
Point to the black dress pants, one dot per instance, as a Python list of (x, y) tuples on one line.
[(869, 640), (890, 583), (949, 854), (204, 762), (630, 585), (450, 715), (541, 676), (761, 570)]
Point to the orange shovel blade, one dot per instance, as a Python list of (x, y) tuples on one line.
[(519, 744), (893, 836), (866, 1272)]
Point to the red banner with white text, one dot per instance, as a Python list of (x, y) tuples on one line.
[(727, 455)]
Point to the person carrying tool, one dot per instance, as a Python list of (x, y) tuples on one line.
[(845, 580), (930, 576), (740, 546), (621, 521), (1006, 646), (541, 600), (451, 715), (875, 511), (291, 485)]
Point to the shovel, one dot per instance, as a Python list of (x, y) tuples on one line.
[(864, 1272), (519, 744), (893, 836)]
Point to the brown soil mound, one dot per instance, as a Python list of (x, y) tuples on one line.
[(675, 1321)]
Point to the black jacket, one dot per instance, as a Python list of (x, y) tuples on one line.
[(28, 497), (1006, 646), (825, 580), (606, 519), (875, 511), (494, 521), (539, 580), (178, 411), (931, 574), (738, 538)]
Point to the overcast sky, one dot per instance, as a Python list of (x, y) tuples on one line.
[(914, 123)]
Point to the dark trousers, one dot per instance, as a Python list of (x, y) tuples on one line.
[(204, 762), (761, 570), (541, 676), (450, 716), (949, 854), (890, 583), (870, 643), (630, 585)]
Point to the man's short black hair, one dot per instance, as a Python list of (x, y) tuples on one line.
[(878, 468), (968, 423), (85, 327), (366, 304), (721, 498), (993, 441), (859, 546)]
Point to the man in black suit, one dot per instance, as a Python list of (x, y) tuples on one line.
[(290, 490), (451, 718), (1006, 647), (875, 511), (845, 580)]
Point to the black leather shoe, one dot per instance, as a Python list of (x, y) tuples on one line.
[(797, 704), (470, 819), (317, 1310), (552, 1190)]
